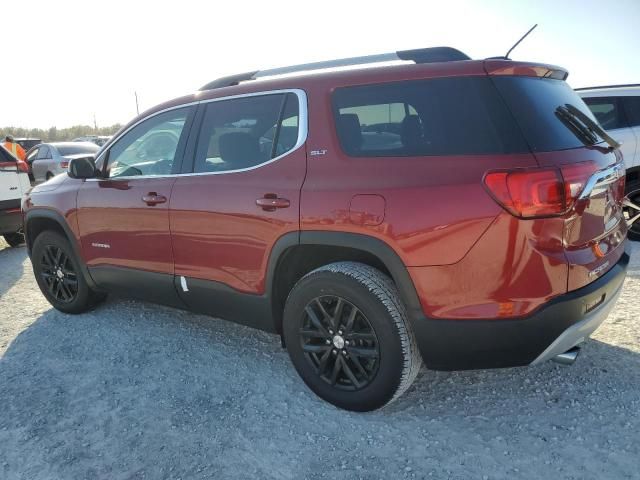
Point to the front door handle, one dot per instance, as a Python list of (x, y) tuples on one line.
[(152, 198), (270, 202)]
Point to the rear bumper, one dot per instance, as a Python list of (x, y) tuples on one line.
[(10, 216), (562, 323)]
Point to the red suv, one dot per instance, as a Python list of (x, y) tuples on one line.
[(461, 213)]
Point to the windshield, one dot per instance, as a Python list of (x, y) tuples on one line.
[(77, 149), (550, 114)]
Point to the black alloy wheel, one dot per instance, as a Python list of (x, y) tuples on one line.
[(58, 274), (348, 336), (340, 343)]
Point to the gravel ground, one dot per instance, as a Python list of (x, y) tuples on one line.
[(133, 390)]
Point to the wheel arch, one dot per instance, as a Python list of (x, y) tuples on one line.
[(298, 253), (39, 220)]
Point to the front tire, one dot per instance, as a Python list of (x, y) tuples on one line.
[(349, 337), (59, 276), (14, 239), (632, 192)]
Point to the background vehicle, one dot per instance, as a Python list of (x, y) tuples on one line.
[(464, 214), (49, 159), (27, 143), (617, 108), (14, 183), (97, 139)]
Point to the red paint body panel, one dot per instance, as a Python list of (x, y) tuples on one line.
[(515, 267), (220, 234), (367, 210), (58, 195), (117, 228)]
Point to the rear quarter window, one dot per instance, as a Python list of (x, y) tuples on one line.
[(444, 116)]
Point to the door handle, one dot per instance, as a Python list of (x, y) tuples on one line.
[(152, 198), (270, 202)]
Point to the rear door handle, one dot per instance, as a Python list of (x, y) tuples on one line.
[(270, 202), (152, 198)]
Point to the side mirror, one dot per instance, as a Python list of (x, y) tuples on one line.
[(82, 168)]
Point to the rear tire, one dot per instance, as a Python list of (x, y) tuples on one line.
[(14, 239), (632, 191), (59, 275), (357, 361)]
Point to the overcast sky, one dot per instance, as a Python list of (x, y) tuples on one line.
[(68, 60)]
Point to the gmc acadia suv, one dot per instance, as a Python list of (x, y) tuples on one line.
[(461, 213)]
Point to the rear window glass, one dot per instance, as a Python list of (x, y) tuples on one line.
[(538, 105), (444, 116), (77, 149)]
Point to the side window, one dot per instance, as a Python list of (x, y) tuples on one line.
[(608, 111), (382, 124), (149, 148), (632, 109), (33, 155), (245, 132), (43, 153), (444, 116)]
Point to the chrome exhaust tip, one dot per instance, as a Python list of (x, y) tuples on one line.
[(568, 357)]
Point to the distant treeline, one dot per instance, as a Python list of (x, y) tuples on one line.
[(54, 134)]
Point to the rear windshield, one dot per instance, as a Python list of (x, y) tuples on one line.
[(77, 149), (542, 107), (444, 116)]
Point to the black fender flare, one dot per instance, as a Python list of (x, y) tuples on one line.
[(37, 213), (380, 249)]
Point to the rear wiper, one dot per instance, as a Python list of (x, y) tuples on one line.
[(592, 126), (584, 133)]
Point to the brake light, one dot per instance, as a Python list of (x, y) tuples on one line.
[(576, 176), (64, 164), (22, 166), (539, 192)]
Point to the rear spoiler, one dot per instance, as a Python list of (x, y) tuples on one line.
[(524, 69)]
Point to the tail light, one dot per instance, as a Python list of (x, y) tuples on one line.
[(22, 166), (64, 164), (539, 192)]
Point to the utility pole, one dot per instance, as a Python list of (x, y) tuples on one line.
[(95, 124), (137, 108)]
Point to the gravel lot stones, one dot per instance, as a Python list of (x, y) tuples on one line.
[(133, 390)]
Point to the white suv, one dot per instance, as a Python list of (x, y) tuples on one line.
[(14, 183), (617, 108)]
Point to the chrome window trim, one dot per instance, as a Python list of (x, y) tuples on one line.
[(303, 129)]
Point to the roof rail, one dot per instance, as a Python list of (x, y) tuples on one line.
[(420, 55), (609, 86)]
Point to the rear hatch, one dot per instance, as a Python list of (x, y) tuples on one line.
[(567, 142)]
